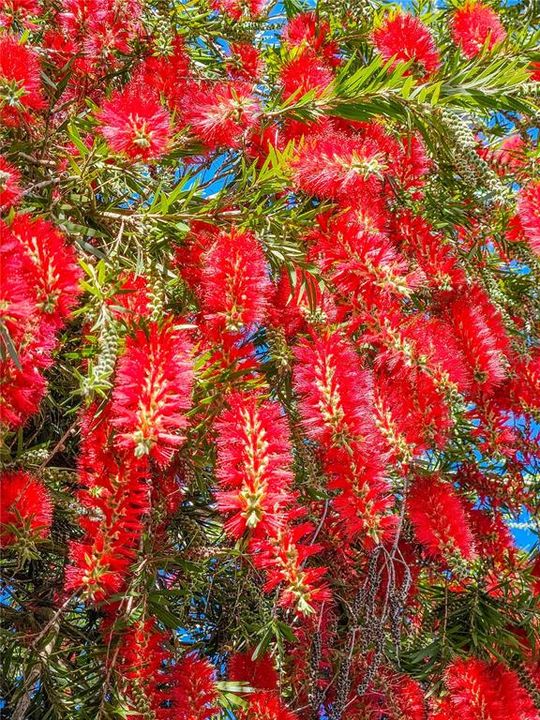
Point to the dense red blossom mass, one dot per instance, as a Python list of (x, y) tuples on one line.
[(269, 360), (26, 507), (476, 25), (403, 38), (134, 123)]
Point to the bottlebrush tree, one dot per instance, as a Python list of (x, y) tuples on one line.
[(270, 366)]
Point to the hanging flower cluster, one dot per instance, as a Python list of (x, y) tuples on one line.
[(269, 363)]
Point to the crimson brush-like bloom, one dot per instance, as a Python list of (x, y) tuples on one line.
[(529, 213), (524, 386), (493, 539), (51, 267), (168, 74), (135, 124), (482, 337), (117, 500), (39, 289), (403, 37), (235, 283), (364, 500), (21, 389), (475, 25), (487, 691), (363, 266), (152, 391), (266, 706), (304, 72), (434, 339), (253, 465), (140, 660), (335, 393), (20, 81), (412, 412), (10, 190), (185, 690), (25, 507), (336, 406), (283, 557), (221, 114), (194, 695), (418, 239), (337, 166), (235, 9), (245, 62), (115, 495), (18, 299), (439, 518), (403, 697), (259, 674), (308, 31)]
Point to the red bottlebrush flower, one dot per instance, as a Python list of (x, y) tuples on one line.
[(535, 572), (266, 706), (303, 73), (429, 249), (140, 662), (337, 411), (221, 114), (17, 294), (22, 8), (524, 385), (444, 710), (335, 394), (511, 155), (529, 213), (185, 690), (195, 693), (38, 289), (167, 74), (439, 518), (403, 37), (116, 495), (341, 167), (245, 62), (10, 191), (254, 459), (493, 539), (435, 341), (21, 389), (235, 282), (364, 266), (306, 30), (487, 690), (236, 8), (475, 25), (25, 507), (53, 270), (189, 256), (480, 333), (411, 410), (404, 698), (20, 83), (283, 557), (152, 391), (259, 674), (135, 124), (364, 500)]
